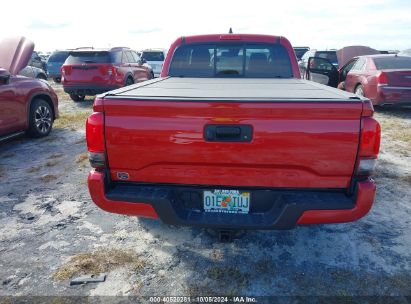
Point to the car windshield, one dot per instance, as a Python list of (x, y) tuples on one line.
[(88, 57), (58, 57), (153, 56), (395, 62), (231, 60), (330, 56)]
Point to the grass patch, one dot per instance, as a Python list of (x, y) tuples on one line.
[(97, 262), (61, 94), (395, 129), (72, 121)]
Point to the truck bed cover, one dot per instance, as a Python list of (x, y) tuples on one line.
[(231, 89)]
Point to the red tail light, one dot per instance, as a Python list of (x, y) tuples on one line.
[(369, 146), (370, 137), (382, 78), (111, 70), (230, 37), (66, 70), (95, 139)]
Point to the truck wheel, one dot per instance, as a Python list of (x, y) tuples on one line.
[(40, 118), (152, 75), (359, 90), (77, 98), (129, 81), (57, 79)]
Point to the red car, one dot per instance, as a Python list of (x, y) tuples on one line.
[(231, 137), (384, 79), (89, 71), (26, 104)]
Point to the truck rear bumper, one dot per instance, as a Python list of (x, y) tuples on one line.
[(271, 208)]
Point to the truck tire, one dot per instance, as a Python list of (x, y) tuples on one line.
[(129, 81), (40, 118), (77, 98)]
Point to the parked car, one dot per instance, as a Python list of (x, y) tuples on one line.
[(300, 51), (37, 61), (322, 70), (389, 52), (231, 138), (26, 104), (93, 71), (384, 79), (329, 55), (33, 72), (155, 58), (54, 63)]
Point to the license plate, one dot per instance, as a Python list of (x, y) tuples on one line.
[(226, 201)]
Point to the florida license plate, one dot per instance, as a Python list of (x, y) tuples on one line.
[(226, 201)]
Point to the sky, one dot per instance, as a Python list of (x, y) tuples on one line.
[(53, 24)]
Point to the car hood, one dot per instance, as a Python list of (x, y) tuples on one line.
[(15, 53), (347, 53)]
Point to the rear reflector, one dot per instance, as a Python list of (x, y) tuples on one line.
[(366, 166), (382, 78), (97, 160)]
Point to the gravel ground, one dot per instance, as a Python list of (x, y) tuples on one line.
[(50, 230)]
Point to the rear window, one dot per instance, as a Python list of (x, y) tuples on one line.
[(330, 56), (393, 63), (88, 57), (231, 60), (153, 56), (58, 57)]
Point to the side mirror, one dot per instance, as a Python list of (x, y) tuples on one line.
[(4, 77), (143, 60)]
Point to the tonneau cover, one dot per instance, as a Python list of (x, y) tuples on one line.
[(231, 89)]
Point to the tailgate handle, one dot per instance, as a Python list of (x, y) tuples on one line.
[(230, 133)]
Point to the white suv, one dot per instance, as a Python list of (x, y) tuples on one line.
[(155, 58)]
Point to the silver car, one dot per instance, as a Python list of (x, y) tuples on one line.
[(33, 72)]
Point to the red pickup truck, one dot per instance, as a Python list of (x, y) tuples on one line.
[(230, 137)]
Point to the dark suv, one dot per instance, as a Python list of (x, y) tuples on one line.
[(90, 71), (330, 55)]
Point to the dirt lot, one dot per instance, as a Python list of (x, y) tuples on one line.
[(50, 231)]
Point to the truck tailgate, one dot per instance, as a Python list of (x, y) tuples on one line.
[(295, 144)]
